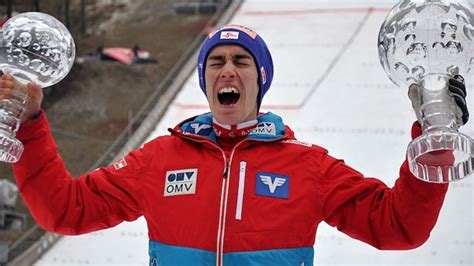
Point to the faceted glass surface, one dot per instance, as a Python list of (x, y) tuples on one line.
[(427, 37), (36, 47), (427, 42)]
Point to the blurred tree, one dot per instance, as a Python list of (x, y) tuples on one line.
[(36, 5), (66, 13), (83, 18), (9, 8)]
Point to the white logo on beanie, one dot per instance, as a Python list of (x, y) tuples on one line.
[(229, 35), (264, 75)]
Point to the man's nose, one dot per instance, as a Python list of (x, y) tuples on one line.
[(228, 71)]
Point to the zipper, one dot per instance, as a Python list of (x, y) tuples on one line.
[(224, 193), (223, 202), (223, 206), (226, 169)]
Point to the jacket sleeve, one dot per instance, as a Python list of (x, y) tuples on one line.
[(59, 203), (395, 218)]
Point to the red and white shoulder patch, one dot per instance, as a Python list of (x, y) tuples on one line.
[(297, 142), (119, 164)]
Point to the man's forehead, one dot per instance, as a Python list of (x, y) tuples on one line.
[(229, 49)]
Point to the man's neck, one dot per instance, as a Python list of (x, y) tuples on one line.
[(233, 131)]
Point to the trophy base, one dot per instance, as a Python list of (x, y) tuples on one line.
[(441, 157), (10, 148)]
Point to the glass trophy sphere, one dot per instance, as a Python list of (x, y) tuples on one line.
[(36, 47), (427, 42), (423, 37)]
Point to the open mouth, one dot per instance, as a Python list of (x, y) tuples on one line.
[(228, 96)]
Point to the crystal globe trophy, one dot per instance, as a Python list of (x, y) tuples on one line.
[(34, 47), (427, 42)]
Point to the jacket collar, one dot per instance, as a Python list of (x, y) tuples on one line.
[(269, 127)]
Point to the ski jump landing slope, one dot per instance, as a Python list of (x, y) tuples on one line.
[(330, 88)]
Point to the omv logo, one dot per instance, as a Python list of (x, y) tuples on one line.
[(272, 185), (181, 182), (264, 128)]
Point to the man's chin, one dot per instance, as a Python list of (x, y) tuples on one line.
[(231, 115)]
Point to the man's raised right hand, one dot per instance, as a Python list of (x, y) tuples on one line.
[(8, 85)]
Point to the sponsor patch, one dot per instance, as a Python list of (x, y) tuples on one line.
[(119, 164), (252, 34), (297, 142), (229, 35), (181, 182), (272, 185), (264, 128), (264, 75), (206, 129)]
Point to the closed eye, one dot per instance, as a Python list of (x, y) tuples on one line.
[(243, 62), (215, 63), (215, 60), (242, 59)]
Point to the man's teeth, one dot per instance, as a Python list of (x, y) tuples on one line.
[(228, 90), (228, 96)]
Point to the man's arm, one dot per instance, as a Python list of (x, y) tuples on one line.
[(401, 217), (59, 203), (395, 218)]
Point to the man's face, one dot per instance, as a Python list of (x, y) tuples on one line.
[(231, 84)]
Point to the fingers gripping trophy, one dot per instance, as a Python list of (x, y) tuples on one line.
[(37, 48), (423, 44)]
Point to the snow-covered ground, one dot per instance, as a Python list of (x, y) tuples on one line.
[(330, 88)]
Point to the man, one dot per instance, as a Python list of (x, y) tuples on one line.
[(230, 187)]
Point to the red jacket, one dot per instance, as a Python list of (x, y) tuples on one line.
[(261, 204)]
